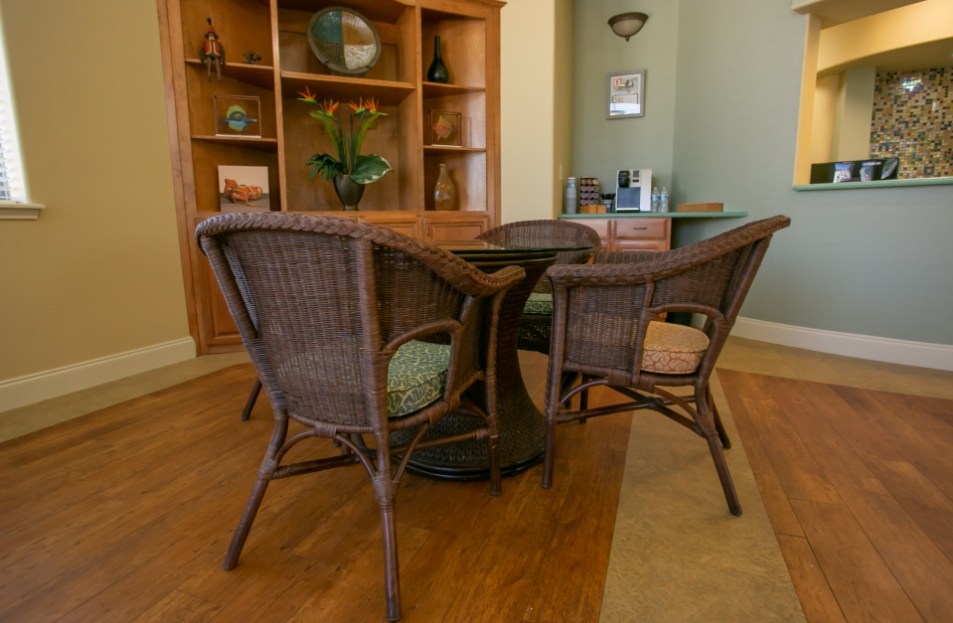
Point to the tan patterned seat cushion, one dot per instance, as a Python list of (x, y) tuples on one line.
[(673, 348)]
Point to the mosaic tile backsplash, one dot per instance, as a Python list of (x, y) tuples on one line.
[(913, 120)]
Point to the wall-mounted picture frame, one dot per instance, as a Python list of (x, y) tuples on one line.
[(237, 115), (625, 94)]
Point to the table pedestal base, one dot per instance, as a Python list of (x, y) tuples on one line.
[(522, 428), (522, 435)]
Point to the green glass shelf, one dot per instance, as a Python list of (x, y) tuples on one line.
[(923, 181)]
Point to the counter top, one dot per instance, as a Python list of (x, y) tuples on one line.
[(674, 215)]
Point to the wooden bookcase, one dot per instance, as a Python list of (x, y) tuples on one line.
[(469, 32)]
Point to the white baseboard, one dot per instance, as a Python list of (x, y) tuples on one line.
[(25, 390), (903, 352)]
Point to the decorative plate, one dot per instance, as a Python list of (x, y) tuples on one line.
[(344, 41)]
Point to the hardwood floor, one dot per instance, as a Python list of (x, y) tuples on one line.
[(125, 515), (858, 485)]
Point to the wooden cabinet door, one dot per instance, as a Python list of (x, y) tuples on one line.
[(218, 329), (643, 234), (402, 222), (455, 227)]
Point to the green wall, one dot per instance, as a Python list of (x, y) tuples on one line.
[(722, 88)]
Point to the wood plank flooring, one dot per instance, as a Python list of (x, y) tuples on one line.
[(858, 485), (124, 515)]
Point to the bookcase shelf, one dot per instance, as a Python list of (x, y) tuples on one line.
[(276, 30)]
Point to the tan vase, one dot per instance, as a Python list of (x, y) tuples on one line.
[(444, 192)]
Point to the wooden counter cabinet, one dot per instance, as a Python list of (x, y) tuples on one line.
[(631, 234)]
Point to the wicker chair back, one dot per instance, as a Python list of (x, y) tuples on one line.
[(602, 314), (323, 305)]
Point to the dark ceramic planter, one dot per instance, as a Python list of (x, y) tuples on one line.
[(348, 192)]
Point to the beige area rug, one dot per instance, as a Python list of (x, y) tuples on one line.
[(677, 553)]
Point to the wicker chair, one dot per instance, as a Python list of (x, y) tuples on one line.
[(538, 312), (606, 331), (356, 331)]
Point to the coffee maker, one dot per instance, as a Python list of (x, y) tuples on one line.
[(633, 190)]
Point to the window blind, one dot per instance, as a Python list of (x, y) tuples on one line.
[(11, 177)]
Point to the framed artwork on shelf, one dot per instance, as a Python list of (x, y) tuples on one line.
[(237, 115), (445, 128), (625, 94), (243, 189)]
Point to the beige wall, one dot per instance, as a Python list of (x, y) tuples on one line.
[(825, 112), (92, 291), (921, 22), (98, 275), (528, 113), (855, 109), (562, 102)]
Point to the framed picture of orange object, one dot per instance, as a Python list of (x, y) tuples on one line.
[(243, 189), (445, 128)]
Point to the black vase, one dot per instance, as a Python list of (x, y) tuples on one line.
[(438, 71), (348, 191)]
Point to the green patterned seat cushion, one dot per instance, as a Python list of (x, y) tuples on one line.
[(416, 377), (539, 303)]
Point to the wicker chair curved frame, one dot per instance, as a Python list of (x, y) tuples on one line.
[(534, 332), (322, 305), (601, 316)]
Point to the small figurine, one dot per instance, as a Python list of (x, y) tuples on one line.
[(252, 57), (212, 52)]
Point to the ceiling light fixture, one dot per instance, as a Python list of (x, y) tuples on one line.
[(627, 24)]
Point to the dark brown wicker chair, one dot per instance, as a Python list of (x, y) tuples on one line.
[(327, 308), (537, 315), (606, 330)]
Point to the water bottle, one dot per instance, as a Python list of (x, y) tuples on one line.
[(656, 200), (663, 200), (572, 200)]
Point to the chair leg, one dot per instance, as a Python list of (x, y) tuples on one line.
[(583, 396), (548, 450), (252, 397), (722, 433), (714, 445), (265, 473), (707, 420), (244, 524), (385, 491), (496, 484)]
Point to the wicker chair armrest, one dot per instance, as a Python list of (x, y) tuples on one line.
[(498, 282), (615, 274)]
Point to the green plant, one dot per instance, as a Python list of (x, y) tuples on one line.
[(347, 140)]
